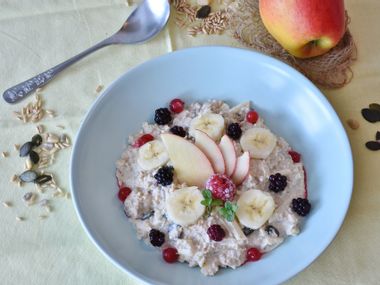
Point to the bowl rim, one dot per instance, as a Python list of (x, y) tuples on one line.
[(208, 48)]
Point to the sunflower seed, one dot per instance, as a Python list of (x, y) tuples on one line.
[(4, 154), (16, 147), (42, 179), (373, 145), (28, 176), (29, 198), (272, 231), (43, 217), (28, 164), (374, 106), (14, 178), (52, 138), (20, 219), (25, 149), (40, 129), (34, 157), (36, 140), (203, 12), (7, 204), (371, 115)]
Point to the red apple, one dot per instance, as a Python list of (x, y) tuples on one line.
[(242, 168), (305, 28)]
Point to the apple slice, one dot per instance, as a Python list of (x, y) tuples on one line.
[(242, 168), (191, 165), (211, 150), (229, 154)]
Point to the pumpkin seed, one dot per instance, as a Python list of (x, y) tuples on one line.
[(203, 12), (371, 115), (42, 179), (36, 140), (34, 157), (272, 231), (25, 149), (373, 145), (28, 176), (374, 106)]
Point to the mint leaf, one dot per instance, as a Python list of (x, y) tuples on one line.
[(228, 211), (217, 203), (207, 194)]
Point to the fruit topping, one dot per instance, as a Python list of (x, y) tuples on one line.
[(170, 254), (152, 154), (252, 117), (156, 237), (162, 116), (216, 232), (259, 142), (124, 193), (296, 157), (277, 182), (143, 140), (253, 254), (176, 105), (221, 187), (210, 123), (301, 206), (164, 175), (179, 131), (234, 131)]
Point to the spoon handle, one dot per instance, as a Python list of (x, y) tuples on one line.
[(21, 90)]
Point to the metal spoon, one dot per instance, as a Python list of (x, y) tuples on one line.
[(146, 21)]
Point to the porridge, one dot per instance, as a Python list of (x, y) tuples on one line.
[(211, 185)]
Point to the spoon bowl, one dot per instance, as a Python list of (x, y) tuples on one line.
[(145, 22)]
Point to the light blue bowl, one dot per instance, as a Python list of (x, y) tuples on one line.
[(292, 107)]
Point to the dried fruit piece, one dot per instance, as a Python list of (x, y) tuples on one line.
[(203, 12), (373, 145), (28, 176), (371, 115), (25, 149), (353, 124), (374, 106)]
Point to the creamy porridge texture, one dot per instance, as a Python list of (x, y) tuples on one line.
[(211, 185)]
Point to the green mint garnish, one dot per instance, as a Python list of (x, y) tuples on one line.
[(228, 211)]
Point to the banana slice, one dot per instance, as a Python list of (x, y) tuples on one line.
[(254, 208), (259, 142), (152, 154), (184, 207), (210, 123)]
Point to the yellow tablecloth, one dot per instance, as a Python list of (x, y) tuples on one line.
[(37, 34)]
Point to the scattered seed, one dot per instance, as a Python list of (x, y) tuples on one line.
[(48, 208), (28, 164), (4, 154), (42, 217), (52, 138), (36, 140), (16, 147), (44, 202), (203, 12), (20, 183), (29, 198), (40, 129), (61, 127), (7, 204), (98, 88), (14, 178), (373, 145), (67, 195), (20, 219), (49, 112), (353, 124), (25, 149), (38, 90), (28, 176), (47, 146), (371, 115), (378, 136), (374, 106), (34, 157), (42, 179)]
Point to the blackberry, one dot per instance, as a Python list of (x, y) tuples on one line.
[(234, 131), (277, 182), (179, 131), (156, 237), (301, 206), (272, 231), (247, 231), (216, 232), (162, 116), (164, 175)]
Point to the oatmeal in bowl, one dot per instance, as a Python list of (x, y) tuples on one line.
[(211, 185)]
